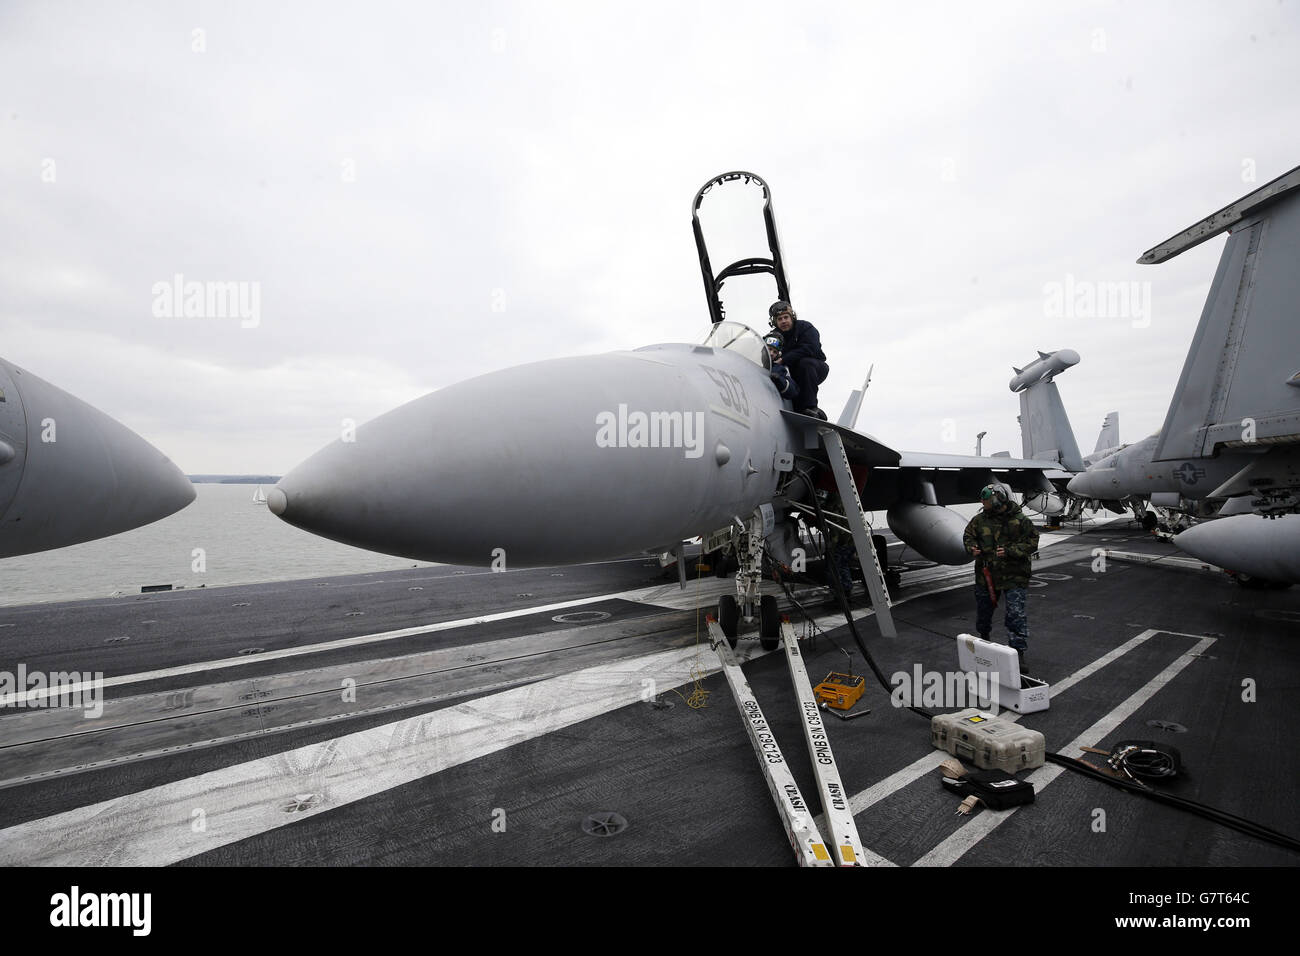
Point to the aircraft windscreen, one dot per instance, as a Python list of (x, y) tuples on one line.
[(741, 339)]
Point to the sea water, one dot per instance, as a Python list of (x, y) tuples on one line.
[(222, 537)]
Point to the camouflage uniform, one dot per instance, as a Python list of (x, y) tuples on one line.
[(1009, 529)]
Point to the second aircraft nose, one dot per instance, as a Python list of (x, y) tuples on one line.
[(1097, 483), (69, 473)]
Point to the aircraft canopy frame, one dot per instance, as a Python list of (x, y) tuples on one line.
[(741, 339)]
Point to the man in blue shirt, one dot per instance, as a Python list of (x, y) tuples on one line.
[(802, 355)]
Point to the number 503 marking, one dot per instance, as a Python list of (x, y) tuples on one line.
[(730, 388)]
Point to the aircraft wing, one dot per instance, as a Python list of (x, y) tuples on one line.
[(861, 449), (932, 477), (941, 479), (925, 459)]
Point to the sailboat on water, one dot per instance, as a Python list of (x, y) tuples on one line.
[(259, 496)]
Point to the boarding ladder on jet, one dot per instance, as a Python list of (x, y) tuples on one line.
[(872, 573), (845, 848)]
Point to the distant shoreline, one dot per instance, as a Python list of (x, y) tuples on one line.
[(233, 479)]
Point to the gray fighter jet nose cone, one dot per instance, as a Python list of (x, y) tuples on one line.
[(1093, 484), (313, 498), (75, 474), (276, 501), (575, 459)]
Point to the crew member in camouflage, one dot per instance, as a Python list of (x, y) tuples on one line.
[(1002, 539)]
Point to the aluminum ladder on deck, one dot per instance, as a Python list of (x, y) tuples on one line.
[(872, 573), (845, 847)]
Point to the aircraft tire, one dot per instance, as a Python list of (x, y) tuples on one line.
[(882, 550), (1260, 584), (723, 564), (769, 623), (729, 618)]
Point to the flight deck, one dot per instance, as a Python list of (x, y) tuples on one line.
[(451, 716)]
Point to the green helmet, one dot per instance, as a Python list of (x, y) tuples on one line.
[(997, 492)]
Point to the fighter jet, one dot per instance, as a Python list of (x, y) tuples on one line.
[(600, 456), (1046, 434), (1230, 445), (1108, 442), (1132, 477), (69, 473)]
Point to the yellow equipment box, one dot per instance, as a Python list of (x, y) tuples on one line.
[(840, 691)]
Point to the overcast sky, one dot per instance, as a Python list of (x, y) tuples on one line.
[(422, 193)]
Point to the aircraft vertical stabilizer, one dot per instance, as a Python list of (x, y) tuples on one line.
[(1045, 431), (1109, 437), (1044, 428), (1236, 389)]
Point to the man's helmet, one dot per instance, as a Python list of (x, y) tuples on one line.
[(997, 492), (776, 308)]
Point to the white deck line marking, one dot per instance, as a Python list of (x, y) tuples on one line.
[(668, 595), (153, 827), (698, 592), (919, 768), (965, 839), (1108, 658), (642, 595), (282, 728)]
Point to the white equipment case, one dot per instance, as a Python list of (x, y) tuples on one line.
[(1018, 692)]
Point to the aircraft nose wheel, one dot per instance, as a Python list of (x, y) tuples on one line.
[(729, 618), (769, 623)]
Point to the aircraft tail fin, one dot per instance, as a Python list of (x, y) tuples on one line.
[(849, 417), (1240, 384), (1109, 437), (1045, 431)]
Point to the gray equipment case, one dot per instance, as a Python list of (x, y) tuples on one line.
[(988, 742)]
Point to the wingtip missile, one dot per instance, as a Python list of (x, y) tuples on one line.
[(1045, 366)]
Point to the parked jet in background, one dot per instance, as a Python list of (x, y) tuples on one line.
[(69, 473), (1132, 477), (1230, 444), (1108, 442), (1045, 433)]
